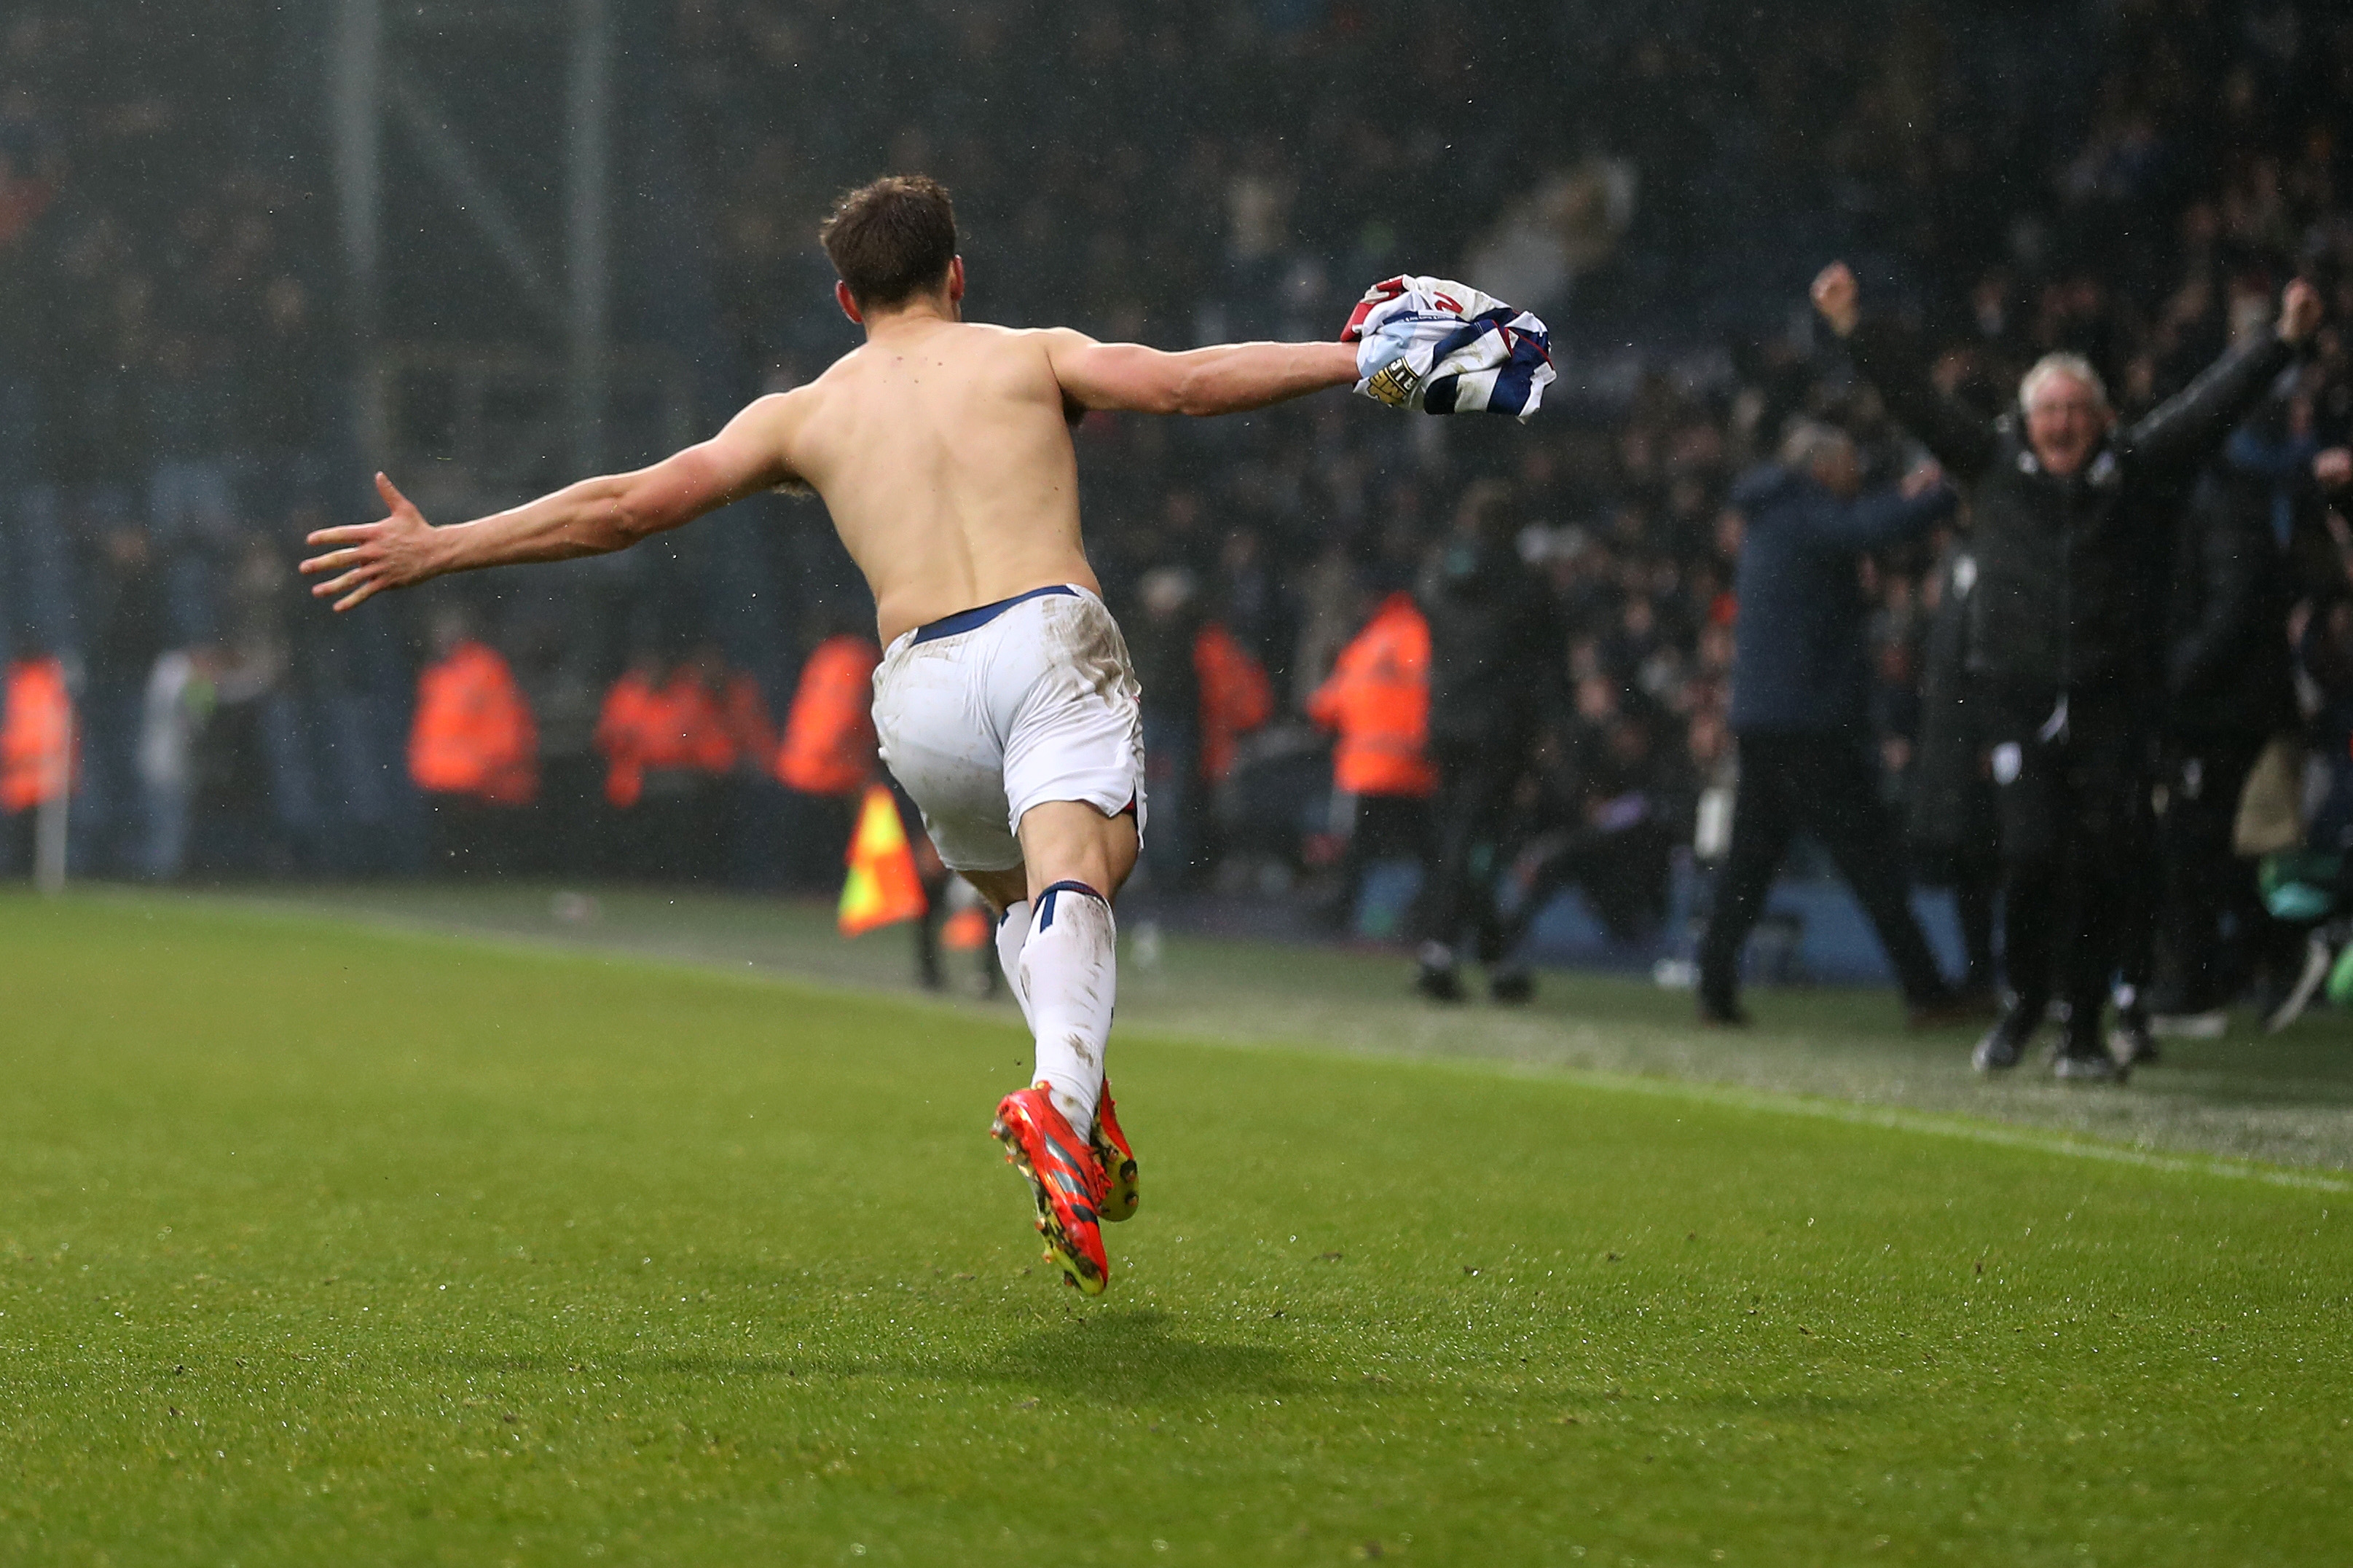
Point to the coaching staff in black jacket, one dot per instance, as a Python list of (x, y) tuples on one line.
[(1495, 658), (2073, 517), (1798, 685)]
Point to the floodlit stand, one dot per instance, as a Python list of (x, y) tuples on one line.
[(368, 84)]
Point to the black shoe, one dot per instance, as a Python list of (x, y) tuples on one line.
[(1437, 984), (1721, 1013), (2006, 1042), (1512, 987), (2085, 1061)]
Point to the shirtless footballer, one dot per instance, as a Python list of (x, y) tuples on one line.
[(1004, 702)]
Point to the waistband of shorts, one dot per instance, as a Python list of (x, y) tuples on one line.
[(980, 616)]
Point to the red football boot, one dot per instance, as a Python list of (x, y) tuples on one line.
[(1065, 1179), (1117, 1160)]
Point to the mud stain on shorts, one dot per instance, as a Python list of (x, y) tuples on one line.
[(1084, 639)]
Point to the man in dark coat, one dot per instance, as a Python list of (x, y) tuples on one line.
[(1495, 659), (2230, 688), (1800, 707), (2072, 518)]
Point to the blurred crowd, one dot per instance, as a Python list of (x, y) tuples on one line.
[(172, 417), (2128, 179)]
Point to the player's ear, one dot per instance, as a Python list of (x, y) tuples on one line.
[(955, 279), (841, 297)]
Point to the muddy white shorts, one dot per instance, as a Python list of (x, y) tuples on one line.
[(987, 712)]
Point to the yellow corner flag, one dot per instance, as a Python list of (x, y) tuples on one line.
[(882, 889)]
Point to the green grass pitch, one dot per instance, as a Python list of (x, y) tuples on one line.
[(322, 1244)]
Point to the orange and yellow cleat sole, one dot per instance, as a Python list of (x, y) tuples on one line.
[(1117, 1160)]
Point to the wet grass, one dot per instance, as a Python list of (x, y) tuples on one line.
[(2286, 1099), (325, 1243)]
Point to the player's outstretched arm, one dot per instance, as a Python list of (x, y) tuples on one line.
[(1227, 378), (593, 517)]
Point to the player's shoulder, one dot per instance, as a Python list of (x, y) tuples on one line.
[(987, 336), (780, 410), (1025, 358), (1039, 341)]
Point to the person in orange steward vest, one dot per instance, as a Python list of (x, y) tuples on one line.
[(1377, 700), (828, 752), (1376, 704), (673, 734), (1233, 696), (729, 778), (744, 712), (36, 748), (625, 728), (829, 746), (474, 748), (1236, 696)]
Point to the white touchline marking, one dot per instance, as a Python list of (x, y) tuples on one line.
[(1941, 1126)]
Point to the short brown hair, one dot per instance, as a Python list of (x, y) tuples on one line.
[(892, 240)]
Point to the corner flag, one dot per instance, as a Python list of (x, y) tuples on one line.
[(883, 888)]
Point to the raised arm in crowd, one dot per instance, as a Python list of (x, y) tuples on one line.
[(2066, 407)]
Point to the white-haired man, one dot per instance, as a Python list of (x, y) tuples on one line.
[(2073, 515)]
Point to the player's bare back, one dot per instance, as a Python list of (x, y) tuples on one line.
[(943, 452)]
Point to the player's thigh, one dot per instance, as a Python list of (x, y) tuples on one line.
[(1074, 787)]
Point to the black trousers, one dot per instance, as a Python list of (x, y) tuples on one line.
[(1826, 784), (2072, 771), (1467, 822), (1386, 827)]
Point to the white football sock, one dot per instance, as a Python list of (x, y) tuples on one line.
[(1012, 932), (1069, 975)]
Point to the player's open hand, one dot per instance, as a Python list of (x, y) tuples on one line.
[(1838, 297), (369, 557), (2299, 315), (2334, 468)]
